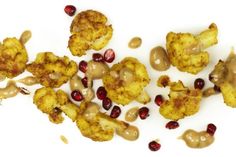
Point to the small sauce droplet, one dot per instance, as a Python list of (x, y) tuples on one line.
[(194, 139), (132, 114), (135, 42)]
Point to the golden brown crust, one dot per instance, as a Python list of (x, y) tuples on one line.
[(121, 92), (13, 57), (186, 51), (182, 102), (51, 70), (89, 30)]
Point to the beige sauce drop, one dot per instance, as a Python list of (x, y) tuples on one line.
[(194, 139), (29, 80), (230, 65), (10, 90), (130, 133), (132, 114), (135, 42), (126, 75), (159, 59), (91, 111), (76, 84), (96, 70)]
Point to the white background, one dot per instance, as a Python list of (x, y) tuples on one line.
[(25, 131)]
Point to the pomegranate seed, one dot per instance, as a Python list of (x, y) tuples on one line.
[(199, 83), (70, 10), (115, 112), (154, 146), (106, 103), (97, 57), (172, 125), (143, 112), (76, 95), (211, 129), (109, 55), (159, 100), (85, 82), (83, 66), (101, 93)]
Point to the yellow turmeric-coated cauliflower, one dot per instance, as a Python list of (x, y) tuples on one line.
[(126, 81), (224, 77), (186, 51), (13, 55), (51, 70), (54, 103), (89, 30), (96, 125), (182, 101)]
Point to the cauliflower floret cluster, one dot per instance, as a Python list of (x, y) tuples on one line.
[(51, 70), (186, 51), (13, 56), (54, 104), (224, 77), (182, 101), (126, 81), (92, 123), (89, 30)]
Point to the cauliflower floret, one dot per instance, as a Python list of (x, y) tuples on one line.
[(13, 56), (91, 122), (96, 125), (126, 81), (46, 101), (224, 77), (186, 51), (182, 101), (89, 30), (52, 71), (54, 103)]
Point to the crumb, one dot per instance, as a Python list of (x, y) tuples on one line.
[(64, 139)]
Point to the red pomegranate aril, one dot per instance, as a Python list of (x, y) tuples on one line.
[(211, 129), (85, 82), (199, 83), (143, 113), (83, 66), (76, 95), (97, 57), (159, 100), (115, 112), (172, 125), (106, 103), (101, 93), (109, 55), (70, 10), (154, 146)]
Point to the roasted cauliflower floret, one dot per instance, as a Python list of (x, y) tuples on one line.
[(52, 71), (54, 103), (182, 101), (89, 30), (46, 101), (126, 81), (224, 77), (96, 125), (186, 51), (13, 55)]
